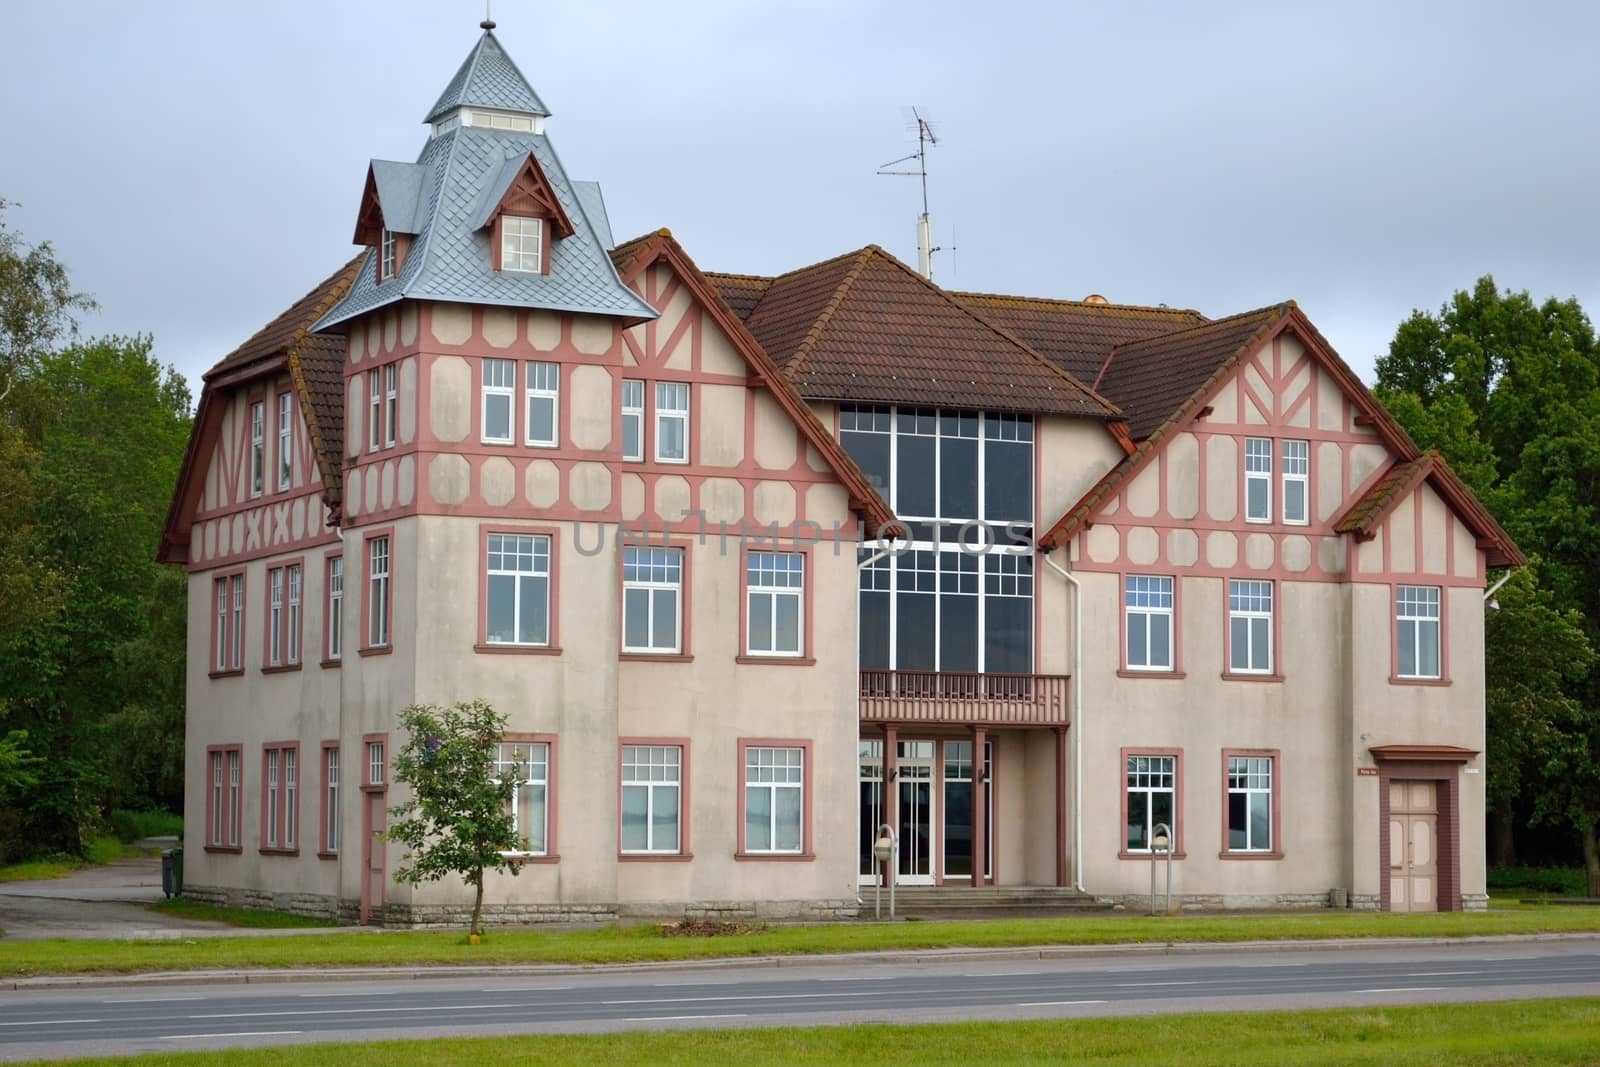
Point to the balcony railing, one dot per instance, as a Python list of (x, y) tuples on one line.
[(964, 699)]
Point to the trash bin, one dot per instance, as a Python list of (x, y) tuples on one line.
[(172, 872)]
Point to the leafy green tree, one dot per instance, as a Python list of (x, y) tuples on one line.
[(1509, 391), (458, 817), (36, 304)]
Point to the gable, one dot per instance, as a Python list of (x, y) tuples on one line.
[(522, 189)]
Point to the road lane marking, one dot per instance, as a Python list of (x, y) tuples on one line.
[(380, 993), (239, 1033), (1141, 985), (53, 1022), (1436, 974), (150, 1000), (1006, 974), (1402, 989), (1057, 1003), (526, 988), (678, 1018), (742, 996), (872, 978), (352, 1011)]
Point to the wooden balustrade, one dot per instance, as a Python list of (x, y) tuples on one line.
[(962, 698)]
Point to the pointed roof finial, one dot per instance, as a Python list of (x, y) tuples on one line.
[(488, 15)]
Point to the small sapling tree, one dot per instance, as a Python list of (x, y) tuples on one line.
[(458, 818)]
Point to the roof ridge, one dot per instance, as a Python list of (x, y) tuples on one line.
[(1158, 309), (742, 277), (949, 298), (788, 274), (1278, 310), (814, 333), (292, 304), (426, 244), (308, 411)]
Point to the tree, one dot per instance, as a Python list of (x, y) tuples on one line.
[(458, 819), (36, 304), (1509, 391)]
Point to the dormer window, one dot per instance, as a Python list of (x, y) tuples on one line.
[(386, 255), (521, 244)]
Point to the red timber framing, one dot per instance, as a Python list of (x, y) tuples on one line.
[(1440, 764)]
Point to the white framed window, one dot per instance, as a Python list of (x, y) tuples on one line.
[(275, 617), (220, 629), (517, 589), (672, 422), (775, 587), (335, 608), (1148, 603), (1297, 482), (291, 797), (543, 383), (386, 255), (258, 447), (1249, 803), (1257, 479), (652, 794), (521, 244), (330, 800), (499, 400), (1249, 626), (652, 598), (378, 592), (235, 784), (528, 763), (774, 799), (391, 402), (272, 798), (374, 411), (229, 636), (632, 419), (1417, 633), (375, 767), (236, 624), (1152, 785), (285, 440), (292, 636), (217, 810)]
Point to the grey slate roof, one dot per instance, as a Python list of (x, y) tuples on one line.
[(594, 206), (449, 258), (400, 194), (488, 78)]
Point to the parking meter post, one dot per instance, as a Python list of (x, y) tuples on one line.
[(884, 851)]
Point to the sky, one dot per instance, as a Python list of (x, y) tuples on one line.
[(198, 166)]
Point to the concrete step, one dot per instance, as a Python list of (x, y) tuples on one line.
[(958, 901)]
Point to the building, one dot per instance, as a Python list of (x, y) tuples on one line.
[(757, 564)]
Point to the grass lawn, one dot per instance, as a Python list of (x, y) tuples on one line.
[(1526, 1032), (249, 918), (38, 870), (617, 944)]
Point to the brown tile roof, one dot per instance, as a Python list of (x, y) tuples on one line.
[(274, 338), (1150, 379), (742, 291), (1363, 516), (865, 327), (1368, 511), (1076, 335)]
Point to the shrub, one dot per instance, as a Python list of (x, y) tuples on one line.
[(130, 826), (104, 850), (1555, 881)]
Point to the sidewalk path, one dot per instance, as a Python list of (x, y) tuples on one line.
[(97, 902)]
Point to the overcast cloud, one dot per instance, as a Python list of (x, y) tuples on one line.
[(199, 165)]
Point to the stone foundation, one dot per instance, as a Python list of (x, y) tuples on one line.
[(1207, 902), (1474, 901)]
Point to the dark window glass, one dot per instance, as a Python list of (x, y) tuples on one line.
[(957, 828), (916, 487), (1008, 480), (958, 633), (871, 453), (1008, 637), (958, 478), (914, 632), (1238, 820), (875, 631)]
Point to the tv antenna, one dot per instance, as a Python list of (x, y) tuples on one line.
[(927, 137)]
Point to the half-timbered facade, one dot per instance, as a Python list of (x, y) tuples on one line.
[(756, 565)]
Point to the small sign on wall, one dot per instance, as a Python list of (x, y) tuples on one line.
[(1366, 772)]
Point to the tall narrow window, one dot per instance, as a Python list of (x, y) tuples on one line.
[(632, 419), (672, 422), (335, 607), (292, 634), (518, 589), (236, 624), (374, 410), (1417, 631), (1249, 803), (1296, 482), (774, 799), (528, 764), (499, 403), (378, 592), (229, 643), (1151, 787), (271, 801), (1148, 602), (544, 403), (652, 586), (1258, 479), (218, 812), (652, 779), (330, 786), (275, 617), (775, 603), (386, 256), (391, 402), (285, 440), (291, 797), (235, 784), (375, 765), (258, 447), (1249, 626), (220, 631), (521, 244)]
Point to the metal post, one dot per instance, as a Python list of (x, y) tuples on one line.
[(1160, 841), (886, 850)]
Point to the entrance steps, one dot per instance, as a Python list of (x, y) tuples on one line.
[(986, 902)]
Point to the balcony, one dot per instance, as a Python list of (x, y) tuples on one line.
[(958, 699)]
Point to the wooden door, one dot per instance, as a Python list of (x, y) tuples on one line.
[(374, 873), (1413, 846)]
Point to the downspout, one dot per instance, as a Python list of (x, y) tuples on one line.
[(1075, 724), (1495, 588)]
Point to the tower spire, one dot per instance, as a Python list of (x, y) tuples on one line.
[(488, 15)]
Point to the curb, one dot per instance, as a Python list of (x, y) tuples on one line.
[(263, 976)]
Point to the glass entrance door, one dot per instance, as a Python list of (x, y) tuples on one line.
[(915, 818), (869, 807), (958, 810)]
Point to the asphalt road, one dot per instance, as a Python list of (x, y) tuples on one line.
[(89, 1021)]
